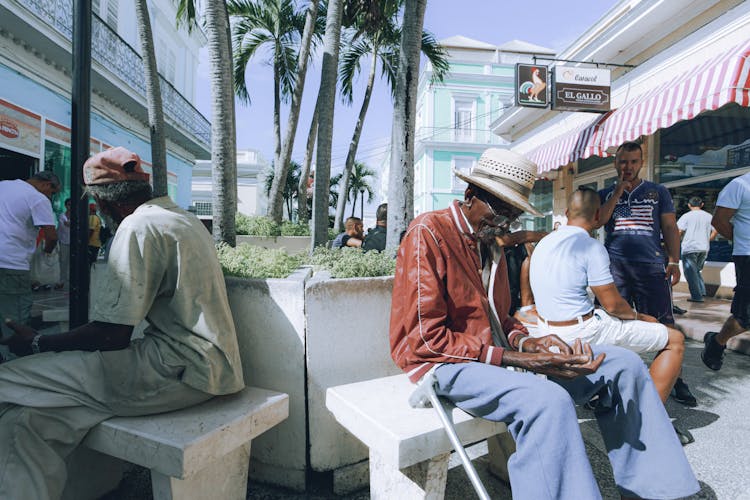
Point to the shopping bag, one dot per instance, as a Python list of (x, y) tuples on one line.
[(45, 267)]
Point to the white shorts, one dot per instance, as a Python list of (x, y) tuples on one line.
[(603, 329)]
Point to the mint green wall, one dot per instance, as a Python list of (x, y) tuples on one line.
[(476, 69), (442, 176), (508, 71), (443, 200)]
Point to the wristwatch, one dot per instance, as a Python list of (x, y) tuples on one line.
[(35, 344)]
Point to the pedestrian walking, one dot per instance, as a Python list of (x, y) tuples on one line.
[(696, 232)]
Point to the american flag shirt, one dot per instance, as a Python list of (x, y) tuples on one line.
[(634, 231)]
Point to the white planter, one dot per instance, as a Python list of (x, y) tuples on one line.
[(269, 319), (292, 244), (301, 335)]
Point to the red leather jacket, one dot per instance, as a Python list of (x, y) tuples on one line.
[(440, 310)]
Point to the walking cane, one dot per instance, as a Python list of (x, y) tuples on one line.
[(422, 397)]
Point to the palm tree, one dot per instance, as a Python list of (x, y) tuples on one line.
[(325, 106), (289, 192), (401, 176), (312, 135), (358, 182), (380, 43), (277, 25), (153, 99), (223, 142)]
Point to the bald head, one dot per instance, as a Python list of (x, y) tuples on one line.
[(583, 204)]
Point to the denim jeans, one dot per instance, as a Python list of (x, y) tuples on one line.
[(692, 263)]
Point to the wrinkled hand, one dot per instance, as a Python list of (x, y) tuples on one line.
[(673, 274), (579, 362), (20, 342), (548, 343)]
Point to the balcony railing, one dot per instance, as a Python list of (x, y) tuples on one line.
[(463, 136), (118, 56)]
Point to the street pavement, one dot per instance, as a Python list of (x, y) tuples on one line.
[(720, 424)]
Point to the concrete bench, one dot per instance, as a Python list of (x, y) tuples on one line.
[(409, 449), (197, 452)]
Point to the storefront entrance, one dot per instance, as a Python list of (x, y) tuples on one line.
[(16, 166)]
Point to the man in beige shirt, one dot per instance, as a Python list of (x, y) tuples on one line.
[(74, 380)]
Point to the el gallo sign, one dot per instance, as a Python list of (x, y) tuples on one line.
[(581, 89)]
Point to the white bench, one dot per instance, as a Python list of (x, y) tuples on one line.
[(409, 449), (198, 452)]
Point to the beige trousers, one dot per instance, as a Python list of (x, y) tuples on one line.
[(48, 402)]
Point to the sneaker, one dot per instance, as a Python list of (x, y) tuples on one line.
[(678, 310), (684, 436), (695, 300), (681, 393), (713, 352)]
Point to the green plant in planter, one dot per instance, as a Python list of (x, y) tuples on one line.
[(289, 228), (250, 261), (353, 262), (256, 225)]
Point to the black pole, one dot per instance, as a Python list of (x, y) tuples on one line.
[(362, 204), (81, 132)]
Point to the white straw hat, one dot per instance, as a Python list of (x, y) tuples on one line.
[(506, 175)]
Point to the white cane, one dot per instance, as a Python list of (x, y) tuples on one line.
[(422, 397)]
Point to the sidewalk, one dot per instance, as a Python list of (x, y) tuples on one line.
[(719, 456)]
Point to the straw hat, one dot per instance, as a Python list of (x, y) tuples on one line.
[(506, 175)]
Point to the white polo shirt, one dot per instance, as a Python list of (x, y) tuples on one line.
[(736, 195), (563, 265), (23, 210), (697, 227)]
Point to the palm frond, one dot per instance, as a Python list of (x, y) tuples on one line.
[(350, 67), (437, 55)]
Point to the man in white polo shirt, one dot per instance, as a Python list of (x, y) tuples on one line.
[(24, 208), (569, 260), (697, 232)]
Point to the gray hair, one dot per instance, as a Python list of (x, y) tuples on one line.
[(47, 176), (122, 192)]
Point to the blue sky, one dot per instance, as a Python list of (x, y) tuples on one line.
[(549, 23)]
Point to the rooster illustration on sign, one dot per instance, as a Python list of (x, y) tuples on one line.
[(533, 88)]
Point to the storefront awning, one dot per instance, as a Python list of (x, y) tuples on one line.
[(707, 86), (580, 142)]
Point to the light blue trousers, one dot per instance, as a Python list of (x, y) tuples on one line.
[(693, 263), (551, 461)]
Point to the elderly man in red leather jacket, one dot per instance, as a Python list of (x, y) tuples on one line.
[(450, 315)]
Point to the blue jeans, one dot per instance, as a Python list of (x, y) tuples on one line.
[(550, 462), (692, 263)]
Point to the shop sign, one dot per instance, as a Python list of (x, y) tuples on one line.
[(581, 89), (531, 85), (9, 129), (20, 129)]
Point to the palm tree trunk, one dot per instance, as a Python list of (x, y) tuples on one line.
[(312, 135), (223, 142), (153, 99), (354, 144), (282, 165), (326, 103), (401, 176)]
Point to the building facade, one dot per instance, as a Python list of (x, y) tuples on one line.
[(35, 96), (682, 92), (453, 117), (251, 196)]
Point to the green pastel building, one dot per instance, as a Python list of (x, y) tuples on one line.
[(453, 117)]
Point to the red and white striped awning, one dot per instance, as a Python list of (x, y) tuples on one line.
[(710, 85), (580, 142)]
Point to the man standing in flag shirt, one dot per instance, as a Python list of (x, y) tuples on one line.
[(637, 215)]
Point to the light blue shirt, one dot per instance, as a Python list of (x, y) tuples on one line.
[(736, 195), (563, 265)]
